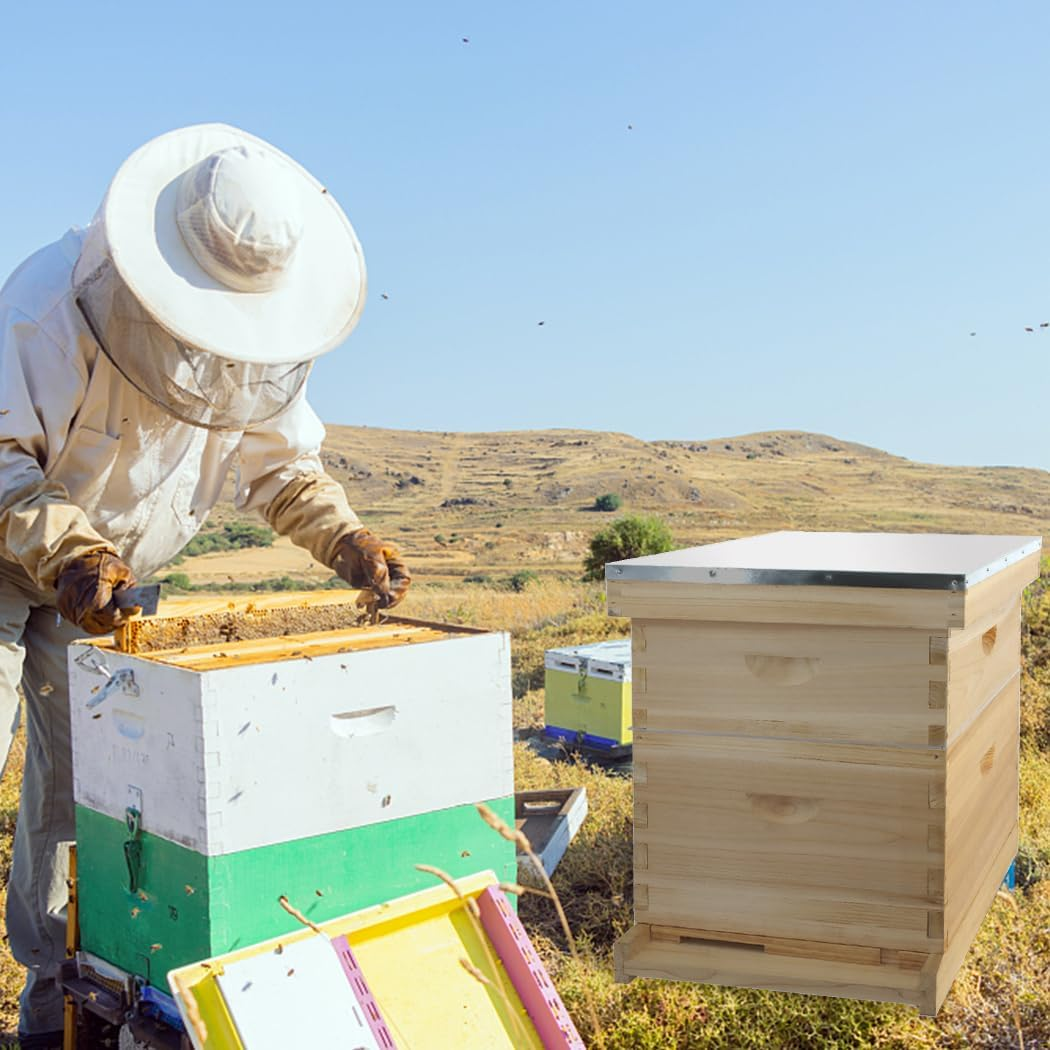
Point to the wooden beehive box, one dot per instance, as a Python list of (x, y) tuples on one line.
[(825, 757), (252, 758)]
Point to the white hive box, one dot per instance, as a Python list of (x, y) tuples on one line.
[(328, 764)]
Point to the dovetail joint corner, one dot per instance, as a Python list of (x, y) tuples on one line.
[(938, 650), (938, 696), (641, 856), (935, 924), (935, 885)]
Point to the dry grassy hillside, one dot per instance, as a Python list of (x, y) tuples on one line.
[(461, 504)]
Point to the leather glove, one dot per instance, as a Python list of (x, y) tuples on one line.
[(85, 590), (363, 560)]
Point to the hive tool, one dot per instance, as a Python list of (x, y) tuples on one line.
[(144, 598)]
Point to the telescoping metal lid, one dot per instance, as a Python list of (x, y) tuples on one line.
[(921, 561)]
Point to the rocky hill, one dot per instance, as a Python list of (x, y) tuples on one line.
[(463, 503)]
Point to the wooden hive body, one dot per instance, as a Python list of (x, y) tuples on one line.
[(825, 774), (320, 766)]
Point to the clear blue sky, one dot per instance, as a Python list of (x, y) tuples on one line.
[(816, 206)]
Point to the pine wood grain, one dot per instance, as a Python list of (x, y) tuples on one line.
[(981, 792), (834, 606), (999, 589), (637, 954), (868, 685)]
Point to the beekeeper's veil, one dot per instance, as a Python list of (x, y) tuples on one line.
[(215, 272)]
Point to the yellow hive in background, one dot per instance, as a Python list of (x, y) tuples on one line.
[(587, 696)]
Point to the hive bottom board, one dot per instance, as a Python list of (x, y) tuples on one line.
[(810, 968), (189, 906)]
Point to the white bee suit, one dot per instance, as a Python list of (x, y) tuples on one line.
[(88, 461), (141, 360)]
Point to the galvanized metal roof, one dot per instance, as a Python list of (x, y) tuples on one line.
[(927, 561)]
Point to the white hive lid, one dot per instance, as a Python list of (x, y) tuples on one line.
[(611, 659), (925, 561)]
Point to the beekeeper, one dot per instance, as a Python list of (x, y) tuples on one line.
[(140, 360)]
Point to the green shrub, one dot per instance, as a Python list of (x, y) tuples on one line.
[(520, 580), (631, 536), (609, 502), (233, 536), (177, 581), (244, 534)]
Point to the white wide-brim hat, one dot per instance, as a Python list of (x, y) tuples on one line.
[(303, 304)]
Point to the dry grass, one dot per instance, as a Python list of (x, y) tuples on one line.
[(594, 878), (1000, 1000), (10, 972), (548, 613), (528, 713), (542, 602)]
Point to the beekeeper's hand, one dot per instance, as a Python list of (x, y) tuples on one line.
[(363, 560), (85, 590)]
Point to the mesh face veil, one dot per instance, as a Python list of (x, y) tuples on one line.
[(193, 385)]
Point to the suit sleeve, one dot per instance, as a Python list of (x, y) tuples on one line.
[(41, 389), (280, 474)]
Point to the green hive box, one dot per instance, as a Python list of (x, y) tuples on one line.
[(211, 781), (187, 906), (588, 695)]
